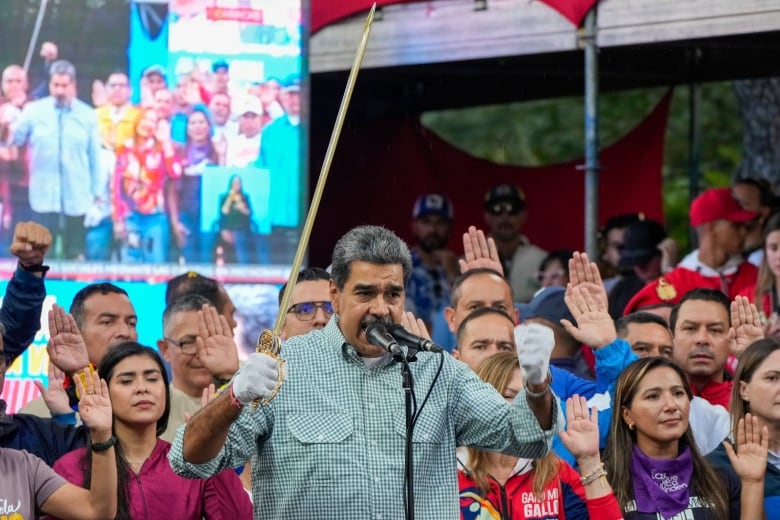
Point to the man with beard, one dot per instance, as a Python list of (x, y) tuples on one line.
[(505, 214), (331, 445), (434, 267)]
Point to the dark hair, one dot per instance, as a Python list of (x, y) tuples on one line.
[(77, 305), (749, 361), (188, 302), (619, 451), (561, 255), (766, 278), (622, 323), (194, 283), (113, 357), (211, 153), (619, 222), (482, 311), (460, 280), (765, 192), (307, 274), (372, 244), (701, 294)]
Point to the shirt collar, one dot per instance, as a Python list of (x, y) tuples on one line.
[(692, 263), (336, 340)]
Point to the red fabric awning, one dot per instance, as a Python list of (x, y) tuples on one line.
[(380, 169), (326, 12)]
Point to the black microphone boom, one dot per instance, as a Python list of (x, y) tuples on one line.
[(404, 337), (377, 335)]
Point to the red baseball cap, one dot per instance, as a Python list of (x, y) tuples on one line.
[(718, 204)]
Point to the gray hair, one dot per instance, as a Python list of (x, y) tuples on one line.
[(373, 244), (186, 303), (62, 68)]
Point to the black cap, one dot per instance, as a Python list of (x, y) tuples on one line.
[(640, 243), (505, 193)]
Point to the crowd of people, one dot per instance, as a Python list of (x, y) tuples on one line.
[(125, 182), (545, 407), (639, 385)]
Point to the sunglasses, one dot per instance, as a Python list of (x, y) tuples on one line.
[(504, 207), (305, 311)]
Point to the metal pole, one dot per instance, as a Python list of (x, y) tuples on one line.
[(694, 139), (591, 135), (694, 146), (34, 37)]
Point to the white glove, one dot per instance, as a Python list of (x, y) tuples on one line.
[(535, 343), (256, 379)]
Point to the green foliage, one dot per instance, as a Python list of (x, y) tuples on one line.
[(550, 131)]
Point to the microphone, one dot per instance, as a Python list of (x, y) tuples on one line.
[(377, 335), (410, 340)]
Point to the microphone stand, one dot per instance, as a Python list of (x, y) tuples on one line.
[(408, 386)]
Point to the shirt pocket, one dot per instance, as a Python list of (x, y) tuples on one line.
[(429, 442), (320, 446)]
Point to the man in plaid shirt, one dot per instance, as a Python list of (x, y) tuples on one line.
[(331, 445)]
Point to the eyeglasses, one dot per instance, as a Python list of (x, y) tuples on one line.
[(188, 346), (503, 207), (305, 311)]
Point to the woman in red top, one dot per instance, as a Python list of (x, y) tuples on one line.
[(494, 486), (145, 200), (147, 486)]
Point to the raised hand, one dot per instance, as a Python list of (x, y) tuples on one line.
[(54, 396), (581, 436), (479, 252), (749, 460), (584, 273), (95, 406), (535, 343), (746, 325), (216, 348), (414, 325), (595, 327), (209, 394), (30, 243), (66, 347)]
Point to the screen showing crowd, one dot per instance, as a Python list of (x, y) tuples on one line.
[(190, 157)]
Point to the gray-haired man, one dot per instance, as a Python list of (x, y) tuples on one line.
[(331, 445), (63, 143)]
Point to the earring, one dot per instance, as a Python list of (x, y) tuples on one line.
[(631, 426)]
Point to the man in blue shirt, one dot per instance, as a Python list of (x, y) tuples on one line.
[(63, 142)]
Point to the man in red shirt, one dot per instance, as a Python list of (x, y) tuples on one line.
[(719, 221)]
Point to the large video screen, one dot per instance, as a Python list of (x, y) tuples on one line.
[(190, 158)]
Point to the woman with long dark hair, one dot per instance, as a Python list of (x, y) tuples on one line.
[(235, 222), (148, 488), (652, 461), (755, 395), (197, 153)]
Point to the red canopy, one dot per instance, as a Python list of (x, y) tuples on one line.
[(326, 12)]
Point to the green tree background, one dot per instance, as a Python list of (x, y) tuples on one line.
[(551, 131)]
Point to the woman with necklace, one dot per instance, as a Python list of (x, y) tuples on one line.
[(756, 393), (148, 488), (653, 463), (494, 486)]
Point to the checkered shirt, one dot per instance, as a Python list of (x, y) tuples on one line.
[(331, 445)]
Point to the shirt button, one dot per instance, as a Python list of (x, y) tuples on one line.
[(321, 438), (371, 406), (378, 516), (377, 479), (372, 443)]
